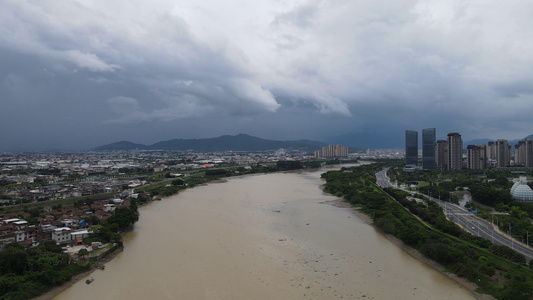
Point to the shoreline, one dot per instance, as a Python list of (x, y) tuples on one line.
[(413, 252), (76, 278)]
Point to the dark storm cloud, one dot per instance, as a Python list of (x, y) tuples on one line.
[(79, 74)]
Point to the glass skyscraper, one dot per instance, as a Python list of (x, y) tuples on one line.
[(429, 139), (411, 147)]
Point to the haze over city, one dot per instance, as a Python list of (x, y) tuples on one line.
[(76, 75)]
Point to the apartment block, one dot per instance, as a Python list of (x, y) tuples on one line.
[(503, 153), (332, 151), (455, 151), (476, 157)]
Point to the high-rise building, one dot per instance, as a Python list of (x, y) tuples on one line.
[(520, 153), (411, 147), (455, 151), (476, 157), (341, 151), (331, 151), (441, 155), (523, 154), (428, 148), (491, 151), (528, 153), (503, 153)]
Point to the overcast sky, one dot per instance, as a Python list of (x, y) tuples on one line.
[(80, 74)]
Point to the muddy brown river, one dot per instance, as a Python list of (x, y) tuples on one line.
[(274, 236)]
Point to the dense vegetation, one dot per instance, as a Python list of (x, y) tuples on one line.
[(490, 190), (119, 222), (498, 270), (25, 274)]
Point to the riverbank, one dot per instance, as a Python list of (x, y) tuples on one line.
[(413, 252), (76, 278)]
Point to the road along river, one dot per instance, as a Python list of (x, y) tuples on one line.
[(273, 236)]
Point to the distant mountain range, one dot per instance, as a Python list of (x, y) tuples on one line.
[(486, 141), (244, 142), (240, 142)]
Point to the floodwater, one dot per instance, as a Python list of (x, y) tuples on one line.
[(271, 236)]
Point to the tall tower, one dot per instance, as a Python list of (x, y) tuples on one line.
[(411, 147), (528, 153), (476, 157), (455, 151), (428, 148), (491, 150), (503, 154), (520, 153), (441, 155)]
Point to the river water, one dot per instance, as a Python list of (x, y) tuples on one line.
[(274, 236)]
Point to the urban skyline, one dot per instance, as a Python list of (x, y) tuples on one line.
[(454, 154)]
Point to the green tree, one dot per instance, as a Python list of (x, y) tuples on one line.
[(178, 182), (13, 259), (83, 253), (286, 165)]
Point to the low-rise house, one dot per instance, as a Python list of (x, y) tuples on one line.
[(20, 236), (68, 222), (47, 227), (10, 221), (5, 239), (21, 224), (78, 236), (117, 201), (109, 207), (62, 235)]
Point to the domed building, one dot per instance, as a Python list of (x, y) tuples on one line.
[(521, 191)]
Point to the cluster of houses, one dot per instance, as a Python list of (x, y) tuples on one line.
[(65, 226), (68, 190), (35, 177)]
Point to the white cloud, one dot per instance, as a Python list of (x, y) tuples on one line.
[(89, 61), (245, 89)]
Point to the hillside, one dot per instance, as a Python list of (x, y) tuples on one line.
[(240, 142), (122, 145)]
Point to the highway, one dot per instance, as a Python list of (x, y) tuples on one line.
[(469, 221)]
